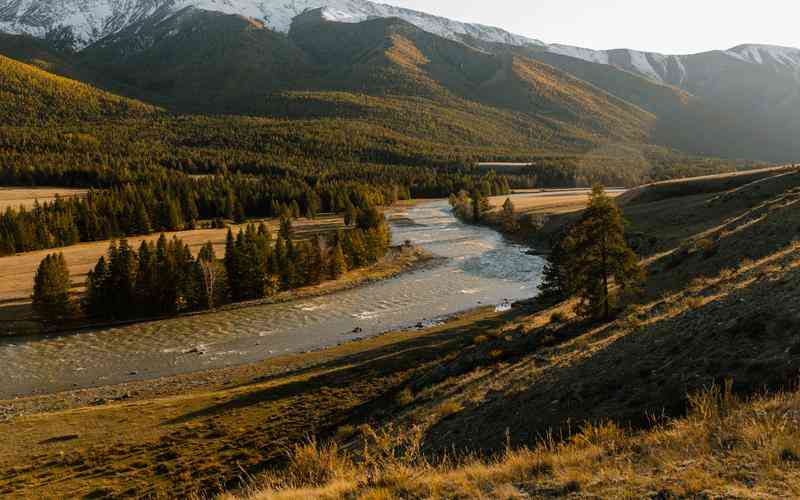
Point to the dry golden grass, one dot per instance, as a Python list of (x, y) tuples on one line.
[(26, 197), (703, 184), (725, 447), (548, 202)]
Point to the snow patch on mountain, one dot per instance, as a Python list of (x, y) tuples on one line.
[(767, 54), (671, 69), (92, 20), (595, 56)]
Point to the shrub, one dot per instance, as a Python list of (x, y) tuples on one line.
[(707, 247), (405, 397), (558, 317)]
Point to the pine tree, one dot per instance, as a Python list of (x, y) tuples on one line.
[(95, 303), (287, 230), (147, 280), (596, 253), (350, 214), (555, 286), (337, 262), (318, 262), (232, 266), (51, 289), (121, 279), (206, 269), (509, 217), (142, 220), (239, 215), (480, 205), (192, 214)]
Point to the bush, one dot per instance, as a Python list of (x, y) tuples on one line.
[(405, 397), (707, 247), (558, 317)]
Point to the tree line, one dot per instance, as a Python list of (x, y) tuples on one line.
[(173, 202), (164, 278)]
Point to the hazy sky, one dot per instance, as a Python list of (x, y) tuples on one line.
[(673, 27)]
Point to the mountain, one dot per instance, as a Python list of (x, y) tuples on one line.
[(384, 70), (83, 22), (198, 60), (688, 71), (255, 57)]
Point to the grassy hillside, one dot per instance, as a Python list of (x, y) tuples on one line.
[(380, 92), (29, 95), (725, 447)]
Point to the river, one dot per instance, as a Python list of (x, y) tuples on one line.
[(481, 268)]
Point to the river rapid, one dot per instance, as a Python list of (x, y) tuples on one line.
[(481, 268)]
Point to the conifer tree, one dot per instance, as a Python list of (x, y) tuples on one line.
[(509, 217), (596, 253), (95, 303), (51, 289), (232, 266), (555, 286), (287, 229), (318, 262), (337, 262), (147, 279), (479, 205)]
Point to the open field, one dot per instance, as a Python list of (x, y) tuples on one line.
[(15, 197), (548, 202)]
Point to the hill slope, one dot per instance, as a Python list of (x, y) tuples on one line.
[(29, 95)]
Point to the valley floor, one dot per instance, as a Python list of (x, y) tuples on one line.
[(661, 403)]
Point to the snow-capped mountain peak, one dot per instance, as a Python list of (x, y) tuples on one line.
[(87, 21)]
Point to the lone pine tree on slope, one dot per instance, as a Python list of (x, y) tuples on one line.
[(592, 255)]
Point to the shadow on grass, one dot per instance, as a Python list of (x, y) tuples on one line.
[(396, 360), (750, 336)]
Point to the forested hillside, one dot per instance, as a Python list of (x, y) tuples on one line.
[(32, 96)]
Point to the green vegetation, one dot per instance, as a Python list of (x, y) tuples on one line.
[(51, 289), (473, 206), (30, 96), (509, 217)]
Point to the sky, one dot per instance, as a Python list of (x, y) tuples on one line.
[(670, 27)]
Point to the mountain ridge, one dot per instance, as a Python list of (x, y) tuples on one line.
[(84, 22)]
